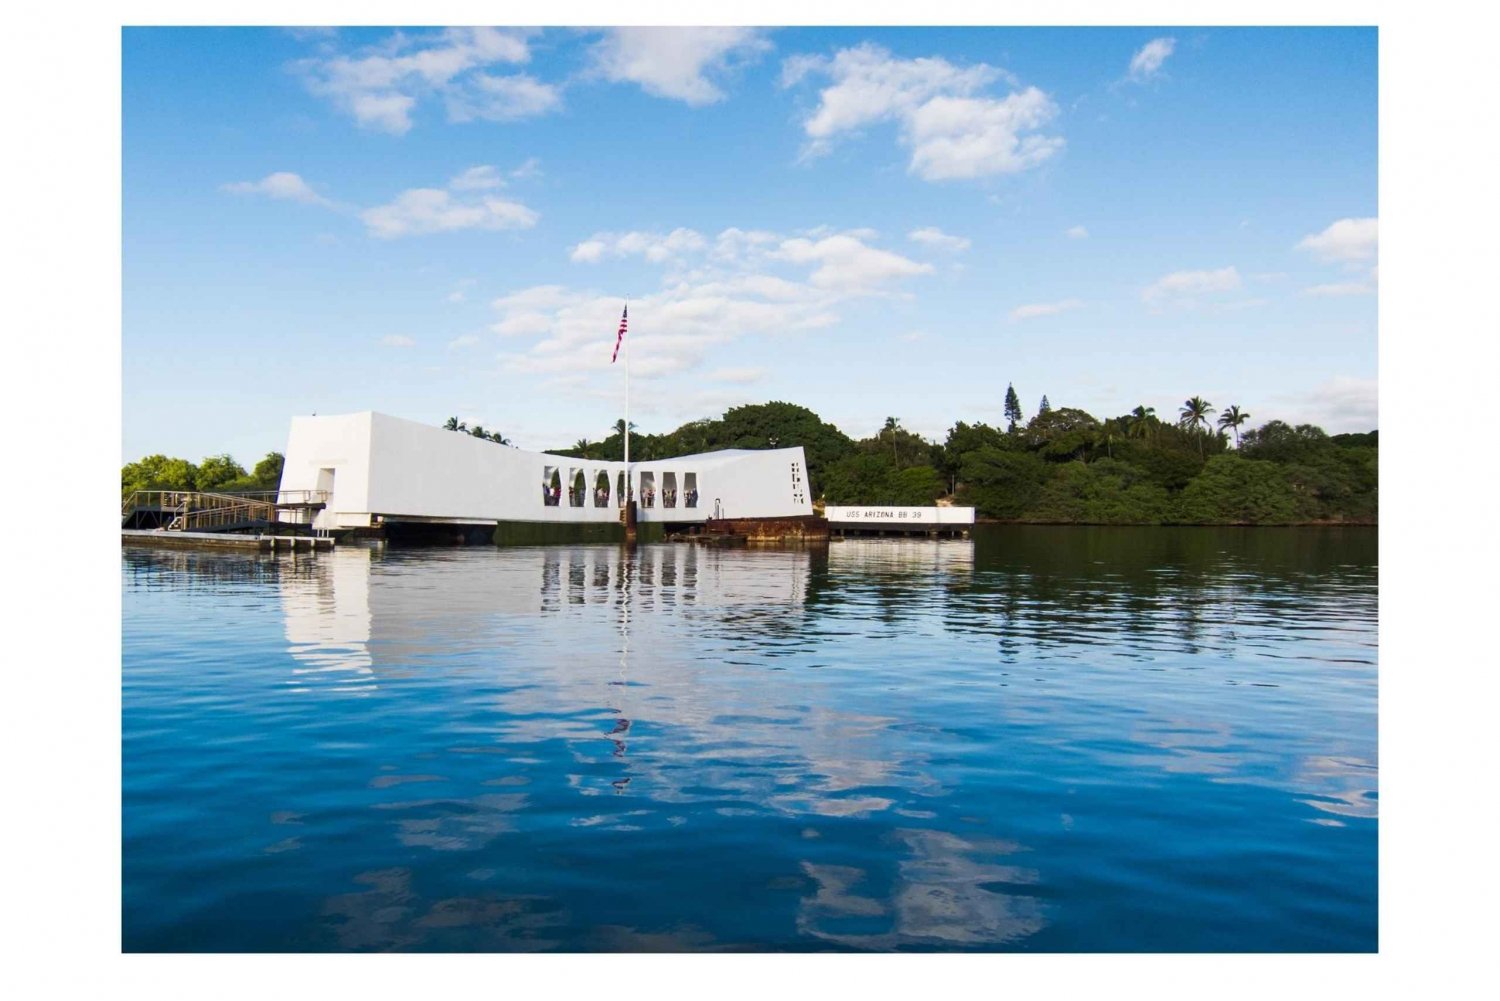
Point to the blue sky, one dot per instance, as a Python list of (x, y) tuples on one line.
[(869, 222)]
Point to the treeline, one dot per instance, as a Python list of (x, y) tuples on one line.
[(219, 473), (1062, 466)]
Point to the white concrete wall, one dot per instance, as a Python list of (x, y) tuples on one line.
[(340, 443), (385, 466)]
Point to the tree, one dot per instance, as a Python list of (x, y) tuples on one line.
[(1233, 417), (1236, 490), (1278, 441), (218, 472), (498, 438), (478, 431), (1141, 422), (1194, 416), (1013, 413), (892, 425), (1044, 407), (267, 472), (1061, 434), (157, 472), (453, 424), (1001, 483)]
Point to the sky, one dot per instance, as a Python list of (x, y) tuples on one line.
[(868, 222)]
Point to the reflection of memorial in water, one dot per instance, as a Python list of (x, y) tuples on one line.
[(325, 605), (645, 685)]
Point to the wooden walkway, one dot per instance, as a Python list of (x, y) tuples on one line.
[(207, 511)]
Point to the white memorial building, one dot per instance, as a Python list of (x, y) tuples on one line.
[(370, 469)]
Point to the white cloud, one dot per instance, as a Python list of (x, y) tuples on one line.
[(1361, 287), (531, 168), (676, 63), (846, 264), (1339, 288), (1077, 233), (1184, 286), (1036, 309), (950, 128), (281, 185), (381, 85), (934, 237), (1341, 405), (477, 179), (741, 283), (501, 98), (736, 376), (966, 137), (1345, 241), (1146, 63), (464, 341), (455, 296), (654, 247), (433, 210), (397, 341)]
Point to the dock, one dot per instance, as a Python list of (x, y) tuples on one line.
[(225, 540)]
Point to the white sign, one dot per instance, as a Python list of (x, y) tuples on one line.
[(901, 515)]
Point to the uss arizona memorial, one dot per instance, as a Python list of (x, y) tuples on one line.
[(375, 470)]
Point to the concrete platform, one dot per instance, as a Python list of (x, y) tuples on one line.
[(216, 540)]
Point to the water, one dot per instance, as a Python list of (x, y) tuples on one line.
[(1046, 739)]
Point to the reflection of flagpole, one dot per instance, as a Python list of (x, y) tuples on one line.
[(629, 484)]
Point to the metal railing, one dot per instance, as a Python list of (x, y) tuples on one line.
[(194, 510)]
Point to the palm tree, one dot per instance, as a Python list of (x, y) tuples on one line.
[(1142, 420), (1106, 435), (1194, 417), (451, 424), (478, 431), (498, 438), (1232, 418), (582, 446), (892, 424)]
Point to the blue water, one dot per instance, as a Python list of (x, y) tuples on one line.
[(1047, 739)]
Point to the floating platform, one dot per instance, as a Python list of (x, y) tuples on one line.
[(224, 540), (932, 522)]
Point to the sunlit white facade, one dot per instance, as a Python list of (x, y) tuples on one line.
[(371, 468)]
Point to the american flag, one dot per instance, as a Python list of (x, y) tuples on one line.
[(621, 335)]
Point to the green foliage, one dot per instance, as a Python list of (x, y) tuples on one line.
[(217, 472), (1278, 441), (157, 472), (1013, 412), (267, 472), (1105, 492), (1001, 483), (858, 479), (1062, 434), (1235, 490)]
